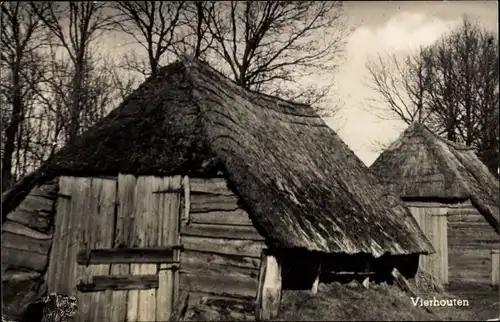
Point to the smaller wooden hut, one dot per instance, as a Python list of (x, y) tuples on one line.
[(453, 196), (196, 184)]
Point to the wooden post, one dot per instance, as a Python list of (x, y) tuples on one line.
[(495, 267), (314, 288), (269, 289), (187, 199)]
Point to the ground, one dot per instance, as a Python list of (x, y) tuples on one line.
[(484, 299), (350, 302), (353, 302), (344, 302)]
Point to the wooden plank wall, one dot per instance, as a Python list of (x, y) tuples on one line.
[(471, 240), (27, 234), (222, 249), (432, 220)]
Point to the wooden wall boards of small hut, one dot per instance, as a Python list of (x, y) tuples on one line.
[(472, 242), (464, 241), (127, 246), (26, 234)]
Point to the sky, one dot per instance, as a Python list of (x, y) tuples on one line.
[(394, 27)]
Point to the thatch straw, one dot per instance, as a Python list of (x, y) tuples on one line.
[(421, 165), (301, 184)]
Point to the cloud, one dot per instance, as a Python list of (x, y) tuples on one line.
[(400, 34)]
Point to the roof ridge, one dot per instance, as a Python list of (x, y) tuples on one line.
[(424, 128)]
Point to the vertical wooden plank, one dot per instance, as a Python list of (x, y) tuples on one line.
[(123, 229), (260, 287), (103, 232), (444, 242), (495, 267), (440, 243), (137, 234), (146, 236), (174, 207), (66, 238), (168, 235), (133, 297), (79, 199), (164, 290), (85, 239), (62, 214), (420, 218), (187, 198)]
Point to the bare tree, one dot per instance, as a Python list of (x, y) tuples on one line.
[(269, 45), (153, 25), (401, 84), (194, 34), (85, 22), (452, 86), (21, 35)]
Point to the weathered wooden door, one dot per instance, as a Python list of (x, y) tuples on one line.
[(116, 245)]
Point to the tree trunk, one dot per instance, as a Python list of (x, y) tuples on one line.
[(12, 127)]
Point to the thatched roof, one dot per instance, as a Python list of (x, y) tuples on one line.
[(422, 165), (300, 183)]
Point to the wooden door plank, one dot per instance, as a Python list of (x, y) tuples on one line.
[(84, 231), (169, 205), (63, 210), (80, 197), (104, 234), (124, 226)]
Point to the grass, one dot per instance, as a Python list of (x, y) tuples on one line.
[(334, 302), (352, 302), (380, 302), (484, 299)]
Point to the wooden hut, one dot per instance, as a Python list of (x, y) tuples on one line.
[(196, 184), (454, 198)]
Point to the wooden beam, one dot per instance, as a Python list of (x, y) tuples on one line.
[(18, 258), (19, 276), (238, 217), (207, 258), (171, 190), (18, 229), (38, 221), (35, 204), (218, 269), (226, 246), (314, 288), (269, 290), (180, 307), (28, 244), (225, 285), (208, 202), (150, 255), (222, 231), (117, 282), (216, 186)]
